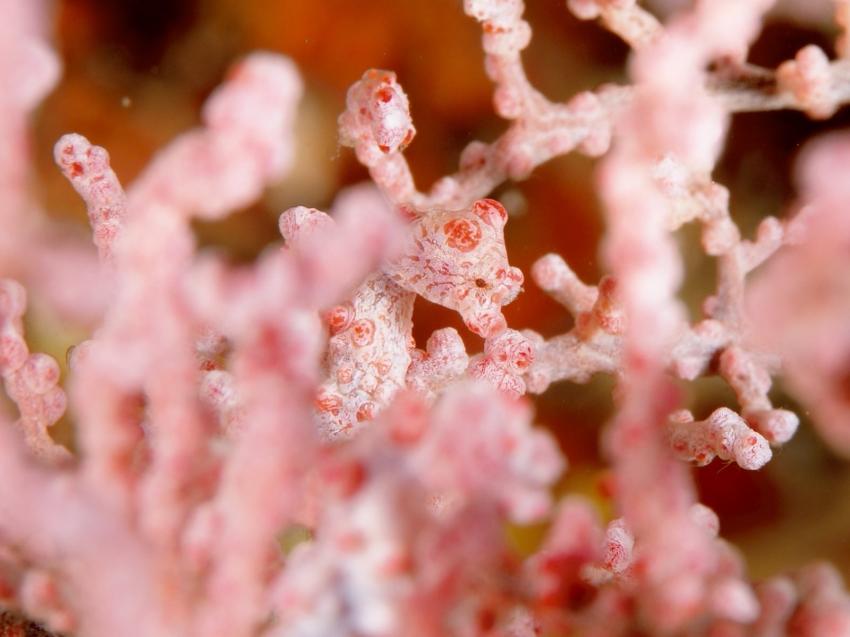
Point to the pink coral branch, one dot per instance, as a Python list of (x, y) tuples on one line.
[(389, 559), (443, 361), (275, 333), (377, 121), (94, 552), (634, 24), (640, 252), (723, 434), (29, 69), (157, 243), (50, 261), (87, 168), (245, 144), (809, 284), (596, 345), (31, 380)]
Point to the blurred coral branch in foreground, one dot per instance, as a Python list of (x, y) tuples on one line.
[(223, 410)]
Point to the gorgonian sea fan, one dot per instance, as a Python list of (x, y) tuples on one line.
[(265, 449)]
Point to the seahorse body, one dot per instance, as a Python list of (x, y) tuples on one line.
[(454, 258)]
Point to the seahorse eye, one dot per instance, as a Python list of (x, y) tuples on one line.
[(481, 283)]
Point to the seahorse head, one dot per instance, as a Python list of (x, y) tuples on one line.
[(457, 258)]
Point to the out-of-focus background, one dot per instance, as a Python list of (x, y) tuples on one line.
[(137, 72)]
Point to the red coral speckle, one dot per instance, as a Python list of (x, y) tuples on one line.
[(462, 234), (366, 411), (362, 332), (490, 211), (338, 318), (329, 403)]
